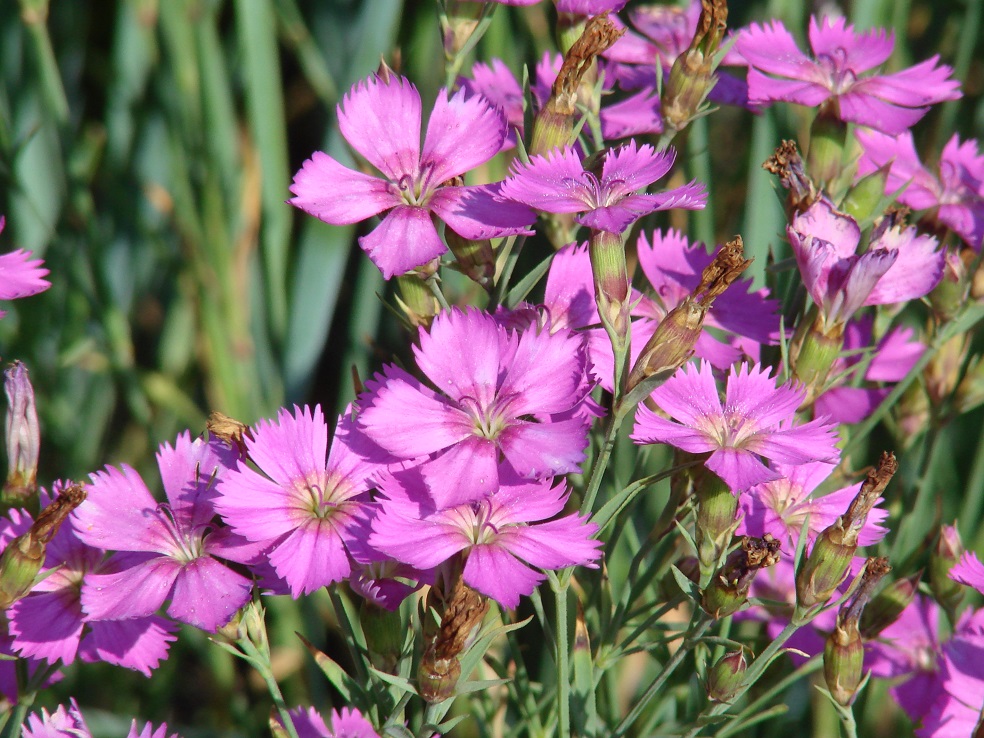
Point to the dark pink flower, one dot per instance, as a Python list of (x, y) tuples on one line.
[(890, 103), (20, 275), (49, 623), (755, 420), (165, 550), (381, 119), (611, 201), (296, 503), (956, 195), (500, 400), (899, 264), (503, 534), (970, 571)]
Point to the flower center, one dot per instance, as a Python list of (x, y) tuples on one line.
[(416, 191), (840, 77), (188, 543)]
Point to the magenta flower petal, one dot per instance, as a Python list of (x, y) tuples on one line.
[(864, 51), (381, 120), (20, 275), (311, 557), (970, 571), (134, 591), (772, 49), (916, 272), (534, 448), (44, 628), (481, 212), (207, 594), (547, 182), (462, 133), (756, 420), (339, 195), (139, 643), (499, 575), (413, 231), (553, 545), (437, 424), (116, 519), (467, 471)]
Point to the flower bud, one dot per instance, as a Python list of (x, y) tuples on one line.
[(385, 632), (476, 260), (862, 200), (553, 126), (24, 556), (843, 654), (725, 677), (886, 607), (947, 552), (692, 75), (23, 439), (458, 24), (827, 137), (951, 294), (717, 508), (830, 559), (728, 590), (813, 356), (416, 298), (676, 335)]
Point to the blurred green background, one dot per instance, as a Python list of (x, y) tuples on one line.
[(146, 148)]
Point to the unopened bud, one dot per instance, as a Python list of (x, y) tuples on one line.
[(886, 607), (947, 552), (830, 559), (23, 439), (787, 164), (946, 368), (813, 356), (553, 127), (717, 508), (724, 679), (862, 200), (476, 260), (827, 138), (416, 298), (676, 335), (24, 556), (611, 281), (728, 590), (458, 24), (843, 654), (385, 632), (950, 295)]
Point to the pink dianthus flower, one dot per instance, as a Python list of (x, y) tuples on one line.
[(167, 549), (296, 502), (503, 535), (381, 119), (501, 400), (890, 103), (20, 275), (757, 419)]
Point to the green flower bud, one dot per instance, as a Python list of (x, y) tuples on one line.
[(728, 591), (949, 548), (888, 605), (862, 199), (23, 437), (385, 631), (717, 508), (725, 677)]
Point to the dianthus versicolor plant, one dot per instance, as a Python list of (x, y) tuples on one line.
[(610, 480)]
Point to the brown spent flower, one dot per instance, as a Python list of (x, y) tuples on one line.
[(728, 590), (439, 669), (673, 342), (787, 164)]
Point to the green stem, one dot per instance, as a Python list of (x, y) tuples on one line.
[(601, 463), (697, 628), (260, 659), (511, 248), (28, 688), (53, 90), (562, 663)]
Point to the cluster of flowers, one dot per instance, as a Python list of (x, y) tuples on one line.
[(456, 466)]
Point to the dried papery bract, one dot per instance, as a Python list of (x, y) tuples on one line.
[(830, 559), (229, 430), (22, 559), (843, 654), (676, 335), (728, 590), (553, 127), (439, 669)]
